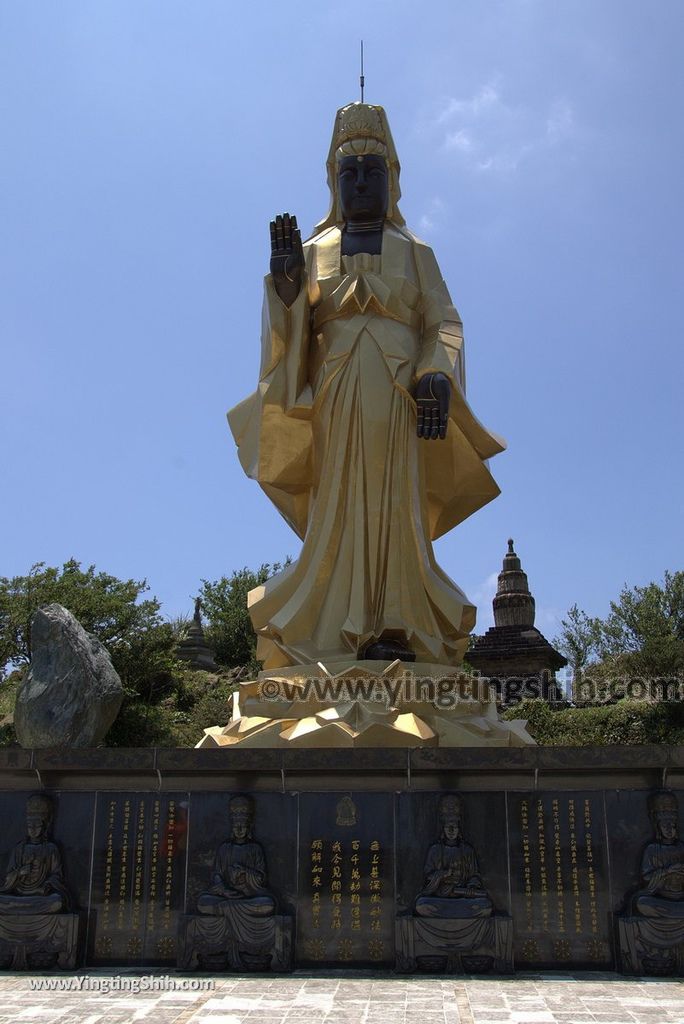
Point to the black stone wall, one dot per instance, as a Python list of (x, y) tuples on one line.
[(558, 835)]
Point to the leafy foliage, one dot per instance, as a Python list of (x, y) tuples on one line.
[(202, 699), (646, 626), (165, 702), (229, 628), (578, 639), (641, 639), (140, 643), (8, 695), (626, 722), (132, 630)]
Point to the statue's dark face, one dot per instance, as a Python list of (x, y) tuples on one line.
[(667, 826), (452, 830), (35, 827), (363, 187), (240, 829)]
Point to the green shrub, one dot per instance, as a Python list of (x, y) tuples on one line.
[(199, 700), (627, 722)]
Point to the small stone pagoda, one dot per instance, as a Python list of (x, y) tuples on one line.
[(194, 648), (513, 650)]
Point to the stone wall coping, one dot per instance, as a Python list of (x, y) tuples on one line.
[(164, 761)]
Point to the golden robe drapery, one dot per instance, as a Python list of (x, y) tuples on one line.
[(330, 434)]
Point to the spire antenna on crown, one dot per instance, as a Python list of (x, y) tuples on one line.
[(362, 80)]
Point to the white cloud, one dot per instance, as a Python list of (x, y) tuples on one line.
[(547, 621), (459, 140), (560, 122), (432, 217), (491, 135), (488, 96)]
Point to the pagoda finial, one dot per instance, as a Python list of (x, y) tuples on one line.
[(510, 546)]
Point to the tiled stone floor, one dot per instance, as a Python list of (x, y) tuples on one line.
[(525, 999)]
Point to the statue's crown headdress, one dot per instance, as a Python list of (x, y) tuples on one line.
[(360, 121), (450, 807), (664, 800), (362, 128), (241, 807), (39, 804)]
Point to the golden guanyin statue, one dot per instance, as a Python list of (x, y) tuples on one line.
[(360, 434), (359, 430)]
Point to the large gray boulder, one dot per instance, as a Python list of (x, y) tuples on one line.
[(71, 693)]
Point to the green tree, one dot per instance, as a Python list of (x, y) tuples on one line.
[(229, 628), (140, 643), (634, 652), (578, 641), (645, 629), (165, 702)]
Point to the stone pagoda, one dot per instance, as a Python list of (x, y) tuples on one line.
[(194, 648), (513, 650)]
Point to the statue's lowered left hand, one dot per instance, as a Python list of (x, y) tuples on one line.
[(433, 393)]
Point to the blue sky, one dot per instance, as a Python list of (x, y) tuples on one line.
[(146, 145)]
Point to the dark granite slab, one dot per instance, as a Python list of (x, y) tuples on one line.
[(138, 877), (560, 880), (346, 879)]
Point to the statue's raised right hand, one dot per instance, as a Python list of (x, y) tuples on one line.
[(287, 257)]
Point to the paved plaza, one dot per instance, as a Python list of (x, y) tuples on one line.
[(525, 999)]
